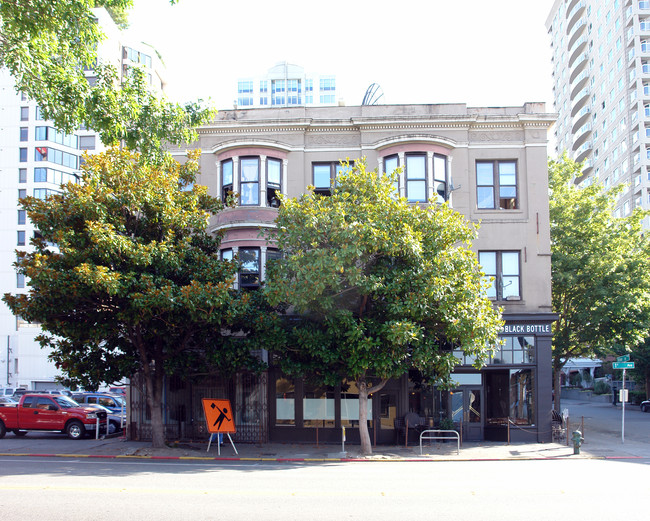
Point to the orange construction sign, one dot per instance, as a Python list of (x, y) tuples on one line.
[(218, 415)]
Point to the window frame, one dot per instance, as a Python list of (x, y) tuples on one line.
[(423, 179), (335, 168), (254, 192), (227, 188), (273, 189), (496, 186), (498, 276)]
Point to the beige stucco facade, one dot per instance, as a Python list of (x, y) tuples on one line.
[(301, 137)]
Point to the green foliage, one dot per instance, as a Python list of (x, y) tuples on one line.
[(377, 286), (48, 44), (576, 379), (134, 283), (447, 424), (600, 269), (601, 387)]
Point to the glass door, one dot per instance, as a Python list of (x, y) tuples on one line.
[(386, 416), (467, 407)]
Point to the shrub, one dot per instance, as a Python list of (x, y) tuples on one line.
[(601, 387)]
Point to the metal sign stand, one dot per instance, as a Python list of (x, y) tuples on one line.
[(220, 441)]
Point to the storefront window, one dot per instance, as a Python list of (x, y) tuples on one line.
[(522, 411), (318, 406), (516, 350), (285, 403), (350, 405)]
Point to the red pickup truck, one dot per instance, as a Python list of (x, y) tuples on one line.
[(47, 412)]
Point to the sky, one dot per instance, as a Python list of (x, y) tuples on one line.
[(478, 52)]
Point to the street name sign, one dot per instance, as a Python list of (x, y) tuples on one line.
[(624, 358), (623, 365)]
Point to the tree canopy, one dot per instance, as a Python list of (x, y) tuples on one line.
[(377, 286), (600, 270), (125, 279), (47, 45)]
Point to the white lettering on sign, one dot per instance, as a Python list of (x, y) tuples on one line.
[(523, 329)]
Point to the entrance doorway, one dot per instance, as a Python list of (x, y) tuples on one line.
[(467, 407), (386, 416)]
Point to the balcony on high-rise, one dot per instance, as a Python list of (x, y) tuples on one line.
[(583, 151), (579, 100), (574, 13), (578, 66), (577, 30)]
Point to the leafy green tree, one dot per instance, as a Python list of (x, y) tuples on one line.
[(641, 372), (48, 44), (124, 279), (600, 270), (376, 287)]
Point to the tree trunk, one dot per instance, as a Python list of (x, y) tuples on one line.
[(364, 392), (364, 434), (154, 386)]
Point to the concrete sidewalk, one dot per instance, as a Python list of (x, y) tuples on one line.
[(44, 444)]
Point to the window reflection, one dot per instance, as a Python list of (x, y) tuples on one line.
[(285, 402), (350, 404), (318, 406)]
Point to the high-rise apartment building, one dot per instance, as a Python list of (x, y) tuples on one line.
[(35, 160), (601, 70), (286, 85)]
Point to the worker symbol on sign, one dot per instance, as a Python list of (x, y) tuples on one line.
[(219, 415), (223, 415)]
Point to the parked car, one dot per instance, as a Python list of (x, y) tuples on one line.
[(7, 391), (113, 402), (8, 401), (116, 420), (645, 406), (46, 412), (117, 390)]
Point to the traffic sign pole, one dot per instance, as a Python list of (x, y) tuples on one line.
[(623, 412)]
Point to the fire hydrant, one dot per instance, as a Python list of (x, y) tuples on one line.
[(577, 440)]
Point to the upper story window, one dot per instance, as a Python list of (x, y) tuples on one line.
[(24, 113), (325, 174), (274, 181), (24, 133), (249, 270), (250, 181), (56, 156), (137, 57), (250, 260), (226, 178), (245, 87), (502, 267), (328, 84), (416, 176), (264, 86), (52, 134), (258, 178), (496, 185), (49, 175), (391, 163)]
